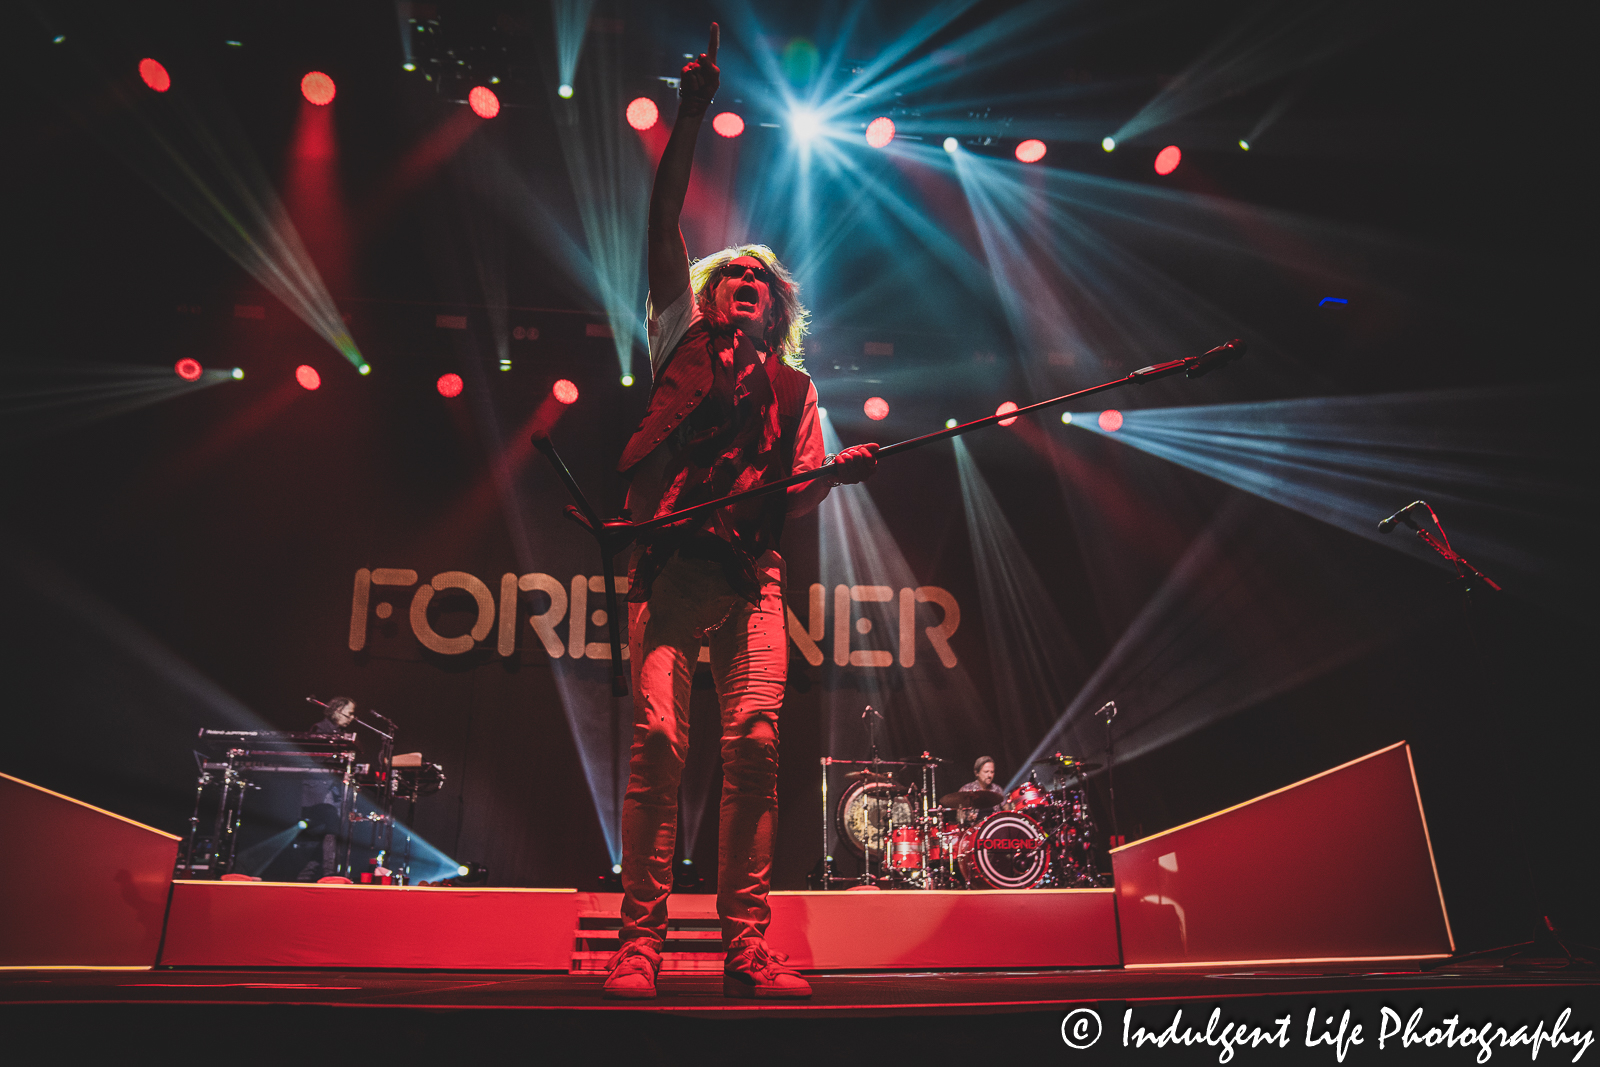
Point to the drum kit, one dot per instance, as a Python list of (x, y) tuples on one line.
[(1037, 836)]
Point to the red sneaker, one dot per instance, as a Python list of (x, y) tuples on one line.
[(633, 970), (753, 970)]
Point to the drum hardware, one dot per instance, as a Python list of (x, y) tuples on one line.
[(908, 836)]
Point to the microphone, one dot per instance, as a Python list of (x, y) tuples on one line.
[(1403, 515), (1192, 366), (318, 703), (1220, 356)]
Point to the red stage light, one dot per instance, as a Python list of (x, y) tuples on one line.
[(1030, 151), (155, 75), (643, 113), (308, 377), (1111, 420), (564, 391), (1168, 158), (876, 408), (880, 131), (1002, 409), (483, 102), (728, 124), (317, 88), (449, 385), (188, 369)]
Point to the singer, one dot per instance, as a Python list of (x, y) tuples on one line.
[(730, 409)]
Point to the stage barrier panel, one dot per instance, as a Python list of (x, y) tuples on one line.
[(946, 928), (86, 888), (1334, 868), (284, 924)]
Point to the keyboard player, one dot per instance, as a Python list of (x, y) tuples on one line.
[(322, 797)]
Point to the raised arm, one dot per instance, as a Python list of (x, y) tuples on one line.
[(668, 258)]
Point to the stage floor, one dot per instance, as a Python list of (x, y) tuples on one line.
[(276, 1016), (875, 993)]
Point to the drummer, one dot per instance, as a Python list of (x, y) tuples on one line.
[(983, 767)]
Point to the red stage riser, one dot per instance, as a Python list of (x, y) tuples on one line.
[(265, 924), (281, 924), (1337, 867)]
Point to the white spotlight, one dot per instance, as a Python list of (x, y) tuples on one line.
[(564, 92), (951, 144), (1066, 418), (805, 125), (950, 424), (1108, 143)]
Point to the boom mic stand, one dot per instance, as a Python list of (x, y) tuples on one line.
[(614, 535)]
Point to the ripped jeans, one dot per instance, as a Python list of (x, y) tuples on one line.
[(689, 599)]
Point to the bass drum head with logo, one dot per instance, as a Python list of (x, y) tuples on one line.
[(1007, 850), (865, 812)]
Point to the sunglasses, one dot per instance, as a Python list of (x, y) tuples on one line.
[(737, 270)]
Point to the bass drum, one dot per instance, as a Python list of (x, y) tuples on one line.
[(1007, 850), (866, 812)]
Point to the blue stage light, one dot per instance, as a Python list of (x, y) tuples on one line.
[(951, 144), (1108, 143)]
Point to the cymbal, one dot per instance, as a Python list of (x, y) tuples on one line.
[(972, 798), (869, 776), (1068, 763)]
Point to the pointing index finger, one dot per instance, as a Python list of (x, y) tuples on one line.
[(711, 46)]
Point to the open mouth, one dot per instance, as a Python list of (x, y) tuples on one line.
[(746, 294)]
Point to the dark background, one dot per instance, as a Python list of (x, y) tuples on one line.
[(188, 563)]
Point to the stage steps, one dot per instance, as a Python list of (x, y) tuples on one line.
[(694, 943)]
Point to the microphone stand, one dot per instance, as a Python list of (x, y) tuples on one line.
[(616, 534), (873, 717), (386, 774), (1108, 713)]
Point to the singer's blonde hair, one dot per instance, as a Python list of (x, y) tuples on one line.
[(790, 319)]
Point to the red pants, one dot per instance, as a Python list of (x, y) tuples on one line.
[(691, 599)]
